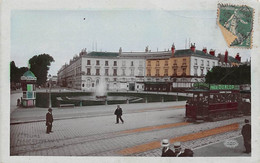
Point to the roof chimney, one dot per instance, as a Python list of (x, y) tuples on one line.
[(146, 49), (212, 52), (238, 57), (204, 50), (173, 49), (226, 56), (120, 51), (192, 47)]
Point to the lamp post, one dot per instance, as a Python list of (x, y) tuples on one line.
[(50, 84)]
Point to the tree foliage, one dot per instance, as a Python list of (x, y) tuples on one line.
[(229, 75), (40, 65), (16, 73)]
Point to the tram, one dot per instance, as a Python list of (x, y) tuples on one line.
[(211, 102)]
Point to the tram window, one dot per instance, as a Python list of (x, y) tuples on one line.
[(201, 94)]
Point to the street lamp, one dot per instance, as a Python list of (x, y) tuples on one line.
[(50, 84)]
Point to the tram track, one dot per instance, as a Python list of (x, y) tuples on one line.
[(123, 134), (89, 115)]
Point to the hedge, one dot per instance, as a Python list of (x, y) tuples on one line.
[(42, 98)]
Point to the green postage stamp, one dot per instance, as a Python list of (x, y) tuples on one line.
[(236, 24)]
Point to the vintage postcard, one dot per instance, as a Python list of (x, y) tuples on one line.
[(129, 81)]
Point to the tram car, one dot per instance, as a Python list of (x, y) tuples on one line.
[(212, 102)]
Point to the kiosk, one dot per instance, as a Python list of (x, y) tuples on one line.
[(28, 81)]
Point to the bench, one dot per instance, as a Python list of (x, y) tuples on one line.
[(59, 98), (67, 105)]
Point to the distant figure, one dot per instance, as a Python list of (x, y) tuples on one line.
[(118, 113), (246, 132), (49, 120), (18, 102), (177, 150), (166, 151)]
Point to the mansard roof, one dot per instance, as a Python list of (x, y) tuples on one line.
[(147, 55), (189, 52), (102, 54)]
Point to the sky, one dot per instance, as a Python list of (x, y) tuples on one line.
[(64, 33)]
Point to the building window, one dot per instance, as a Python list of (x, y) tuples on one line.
[(97, 62), (157, 63), (132, 72), (123, 63), (106, 63), (213, 64), (184, 61), (115, 72), (97, 72), (175, 61), (115, 63), (140, 63), (202, 62), (93, 84), (165, 72), (140, 72), (195, 72), (184, 71), (196, 61), (123, 72), (166, 63), (97, 82), (106, 72), (88, 62), (88, 71), (149, 63), (201, 72), (88, 83), (114, 80), (157, 72), (174, 72), (148, 72), (132, 63), (207, 63)]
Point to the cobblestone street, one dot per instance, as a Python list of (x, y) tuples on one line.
[(91, 131)]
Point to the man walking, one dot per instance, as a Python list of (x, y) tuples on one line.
[(49, 120), (177, 150), (246, 132), (166, 151), (118, 113)]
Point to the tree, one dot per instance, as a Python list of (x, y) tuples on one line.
[(40, 66), (229, 75), (16, 73)]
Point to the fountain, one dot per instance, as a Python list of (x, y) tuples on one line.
[(100, 95), (100, 92)]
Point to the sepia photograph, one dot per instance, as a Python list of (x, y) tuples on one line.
[(144, 81)]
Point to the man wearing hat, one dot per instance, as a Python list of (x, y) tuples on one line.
[(177, 150), (49, 120), (246, 132), (166, 151)]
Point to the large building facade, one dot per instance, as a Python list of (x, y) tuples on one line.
[(150, 71), (115, 71)]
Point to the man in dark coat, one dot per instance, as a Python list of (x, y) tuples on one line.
[(246, 132), (49, 120), (166, 151), (118, 113), (177, 150)]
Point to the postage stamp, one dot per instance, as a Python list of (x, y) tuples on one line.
[(236, 24)]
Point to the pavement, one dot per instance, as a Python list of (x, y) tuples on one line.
[(91, 131)]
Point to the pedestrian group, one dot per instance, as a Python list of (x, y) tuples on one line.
[(167, 152)]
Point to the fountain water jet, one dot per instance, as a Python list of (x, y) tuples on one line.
[(101, 89)]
